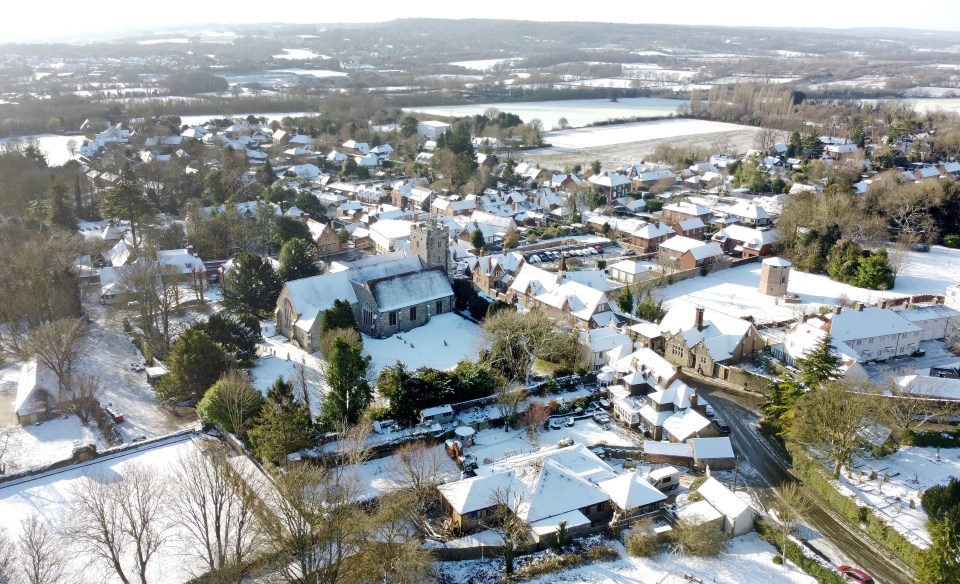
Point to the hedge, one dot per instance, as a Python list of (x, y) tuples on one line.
[(809, 565), (813, 475)]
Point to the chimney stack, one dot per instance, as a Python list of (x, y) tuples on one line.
[(698, 319), (837, 309), (694, 402), (859, 306)]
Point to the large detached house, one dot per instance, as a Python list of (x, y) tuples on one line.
[(875, 333)]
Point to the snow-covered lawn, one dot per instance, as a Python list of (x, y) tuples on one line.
[(637, 132), (735, 291), (280, 358), (49, 495), (49, 442), (442, 343), (748, 560), (378, 476), (910, 470)]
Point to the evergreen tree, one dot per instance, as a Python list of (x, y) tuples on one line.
[(251, 286), (195, 363), (843, 260), (874, 272), (297, 260), (477, 240), (237, 333), (265, 174), (338, 316), (286, 228), (820, 364), (346, 376), (61, 213), (625, 300), (78, 196), (649, 308), (779, 406), (127, 201), (284, 425), (940, 563)]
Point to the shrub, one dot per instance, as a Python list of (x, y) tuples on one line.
[(642, 542), (778, 560), (823, 574)]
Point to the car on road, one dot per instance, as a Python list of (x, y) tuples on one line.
[(722, 425), (556, 423), (855, 574)]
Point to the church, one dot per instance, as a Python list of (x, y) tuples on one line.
[(389, 293)]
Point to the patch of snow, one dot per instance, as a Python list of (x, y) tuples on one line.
[(442, 343), (636, 132)]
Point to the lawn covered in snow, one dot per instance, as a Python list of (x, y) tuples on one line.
[(735, 291), (49, 495), (748, 560), (380, 476), (494, 443), (46, 443), (637, 132), (911, 471), (280, 358), (441, 343)]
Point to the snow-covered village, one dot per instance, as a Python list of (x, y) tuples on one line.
[(381, 343)]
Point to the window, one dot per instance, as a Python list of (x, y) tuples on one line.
[(439, 306), (413, 313), (367, 316), (392, 318)]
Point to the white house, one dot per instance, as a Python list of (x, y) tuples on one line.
[(875, 333), (432, 129), (937, 321)]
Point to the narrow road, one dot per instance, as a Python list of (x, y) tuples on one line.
[(841, 543)]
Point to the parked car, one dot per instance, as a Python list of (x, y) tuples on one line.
[(604, 419), (628, 253), (570, 422), (855, 574), (556, 423), (722, 426)]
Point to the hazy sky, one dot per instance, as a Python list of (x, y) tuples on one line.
[(53, 19)]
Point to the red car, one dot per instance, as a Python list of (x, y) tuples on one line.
[(855, 574)]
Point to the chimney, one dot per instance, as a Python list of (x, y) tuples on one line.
[(802, 319), (698, 319), (694, 402), (859, 306), (837, 309)]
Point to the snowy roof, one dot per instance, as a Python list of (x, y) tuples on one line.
[(685, 424), (803, 337), (693, 223), (698, 249), (870, 322), (312, 295), (932, 387), (540, 485), (750, 237), (663, 448), (723, 499), (687, 209), (630, 491), (653, 416), (400, 291), (392, 228), (746, 210), (721, 333), (920, 314), (777, 262), (711, 448), (632, 266), (605, 338), (436, 411), (550, 525), (182, 259), (609, 179), (702, 511), (651, 231), (120, 254)]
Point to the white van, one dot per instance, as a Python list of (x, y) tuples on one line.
[(664, 479)]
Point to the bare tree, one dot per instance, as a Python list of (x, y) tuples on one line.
[(509, 399), (211, 505), (120, 521), (507, 501), (418, 468), (198, 282), (9, 442), (392, 552), (8, 557), (533, 420), (793, 504), (40, 553), (155, 287), (87, 389), (765, 139), (59, 346)]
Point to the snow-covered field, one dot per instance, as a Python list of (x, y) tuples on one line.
[(734, 291), (579, 112), (53, 146), (481, 64), (637, 132), (911, 471), (300, 54), (442, 343), (279, 358), (749, 560), (50, 495)]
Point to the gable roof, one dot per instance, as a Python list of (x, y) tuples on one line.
[(402, 290), (723, 499), (870, 322), (630, 491)]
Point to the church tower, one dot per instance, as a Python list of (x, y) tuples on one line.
[(431, 242)]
